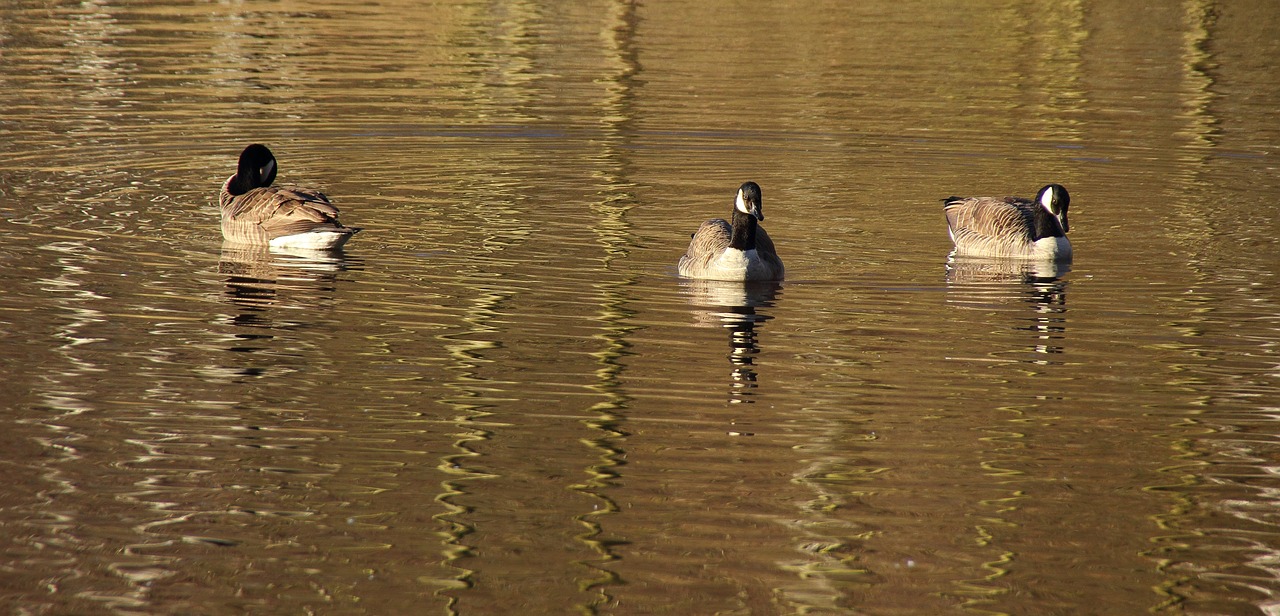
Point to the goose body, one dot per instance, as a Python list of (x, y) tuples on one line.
[(255, 212), (737, 249), (1011, 226)]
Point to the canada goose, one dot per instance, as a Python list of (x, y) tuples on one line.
[(739, 251), (255, 212), (1011, 226)]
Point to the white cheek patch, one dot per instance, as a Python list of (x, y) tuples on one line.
[(1047, 200), (268, 168), (741, 204)]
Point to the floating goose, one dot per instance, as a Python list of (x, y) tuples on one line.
[(740, 250), (255, 212), (1011, 226)]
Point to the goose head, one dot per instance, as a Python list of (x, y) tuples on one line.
[(1054, 199), (256, 169), (749, 200)]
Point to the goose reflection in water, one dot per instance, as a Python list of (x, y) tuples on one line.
[(273, 291), (984, 282), (732, 305)]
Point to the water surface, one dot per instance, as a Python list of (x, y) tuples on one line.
[(501, 399)]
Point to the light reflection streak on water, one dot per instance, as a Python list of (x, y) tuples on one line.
[(1008, 288), (1232, 449), (502, 226), (614, 237), (64, 526), (827, 546), (468, 404)]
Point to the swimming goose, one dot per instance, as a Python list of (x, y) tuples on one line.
[(255, 212), (738, 251), (1011, 226)]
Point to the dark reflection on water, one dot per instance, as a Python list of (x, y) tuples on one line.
[(258, 279), (734, 306), (978, 283), (272, 292)]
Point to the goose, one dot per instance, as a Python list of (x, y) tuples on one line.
[(738, 251), (1011, 226), (255, 212)]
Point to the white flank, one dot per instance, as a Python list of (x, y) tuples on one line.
[(312, 240)]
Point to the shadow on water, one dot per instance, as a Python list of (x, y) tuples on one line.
[(733, 306)]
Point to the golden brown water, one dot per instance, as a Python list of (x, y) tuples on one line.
[(500, 399)]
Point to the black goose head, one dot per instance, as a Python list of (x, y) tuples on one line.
[(1054, 199), (257, 169)]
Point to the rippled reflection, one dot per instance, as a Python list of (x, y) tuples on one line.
[(272, 291), (969, 270), (732, 305), (258, 279), (980, 283)]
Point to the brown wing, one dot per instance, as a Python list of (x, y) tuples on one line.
[(711, 238), (276, 211), (976, 220)]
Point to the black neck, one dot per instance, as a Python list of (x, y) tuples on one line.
[(1047, 224), (239, 184), (744, 231)]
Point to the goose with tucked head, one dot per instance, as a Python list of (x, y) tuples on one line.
[(255, 212), (1011, 226), (737, 250)]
